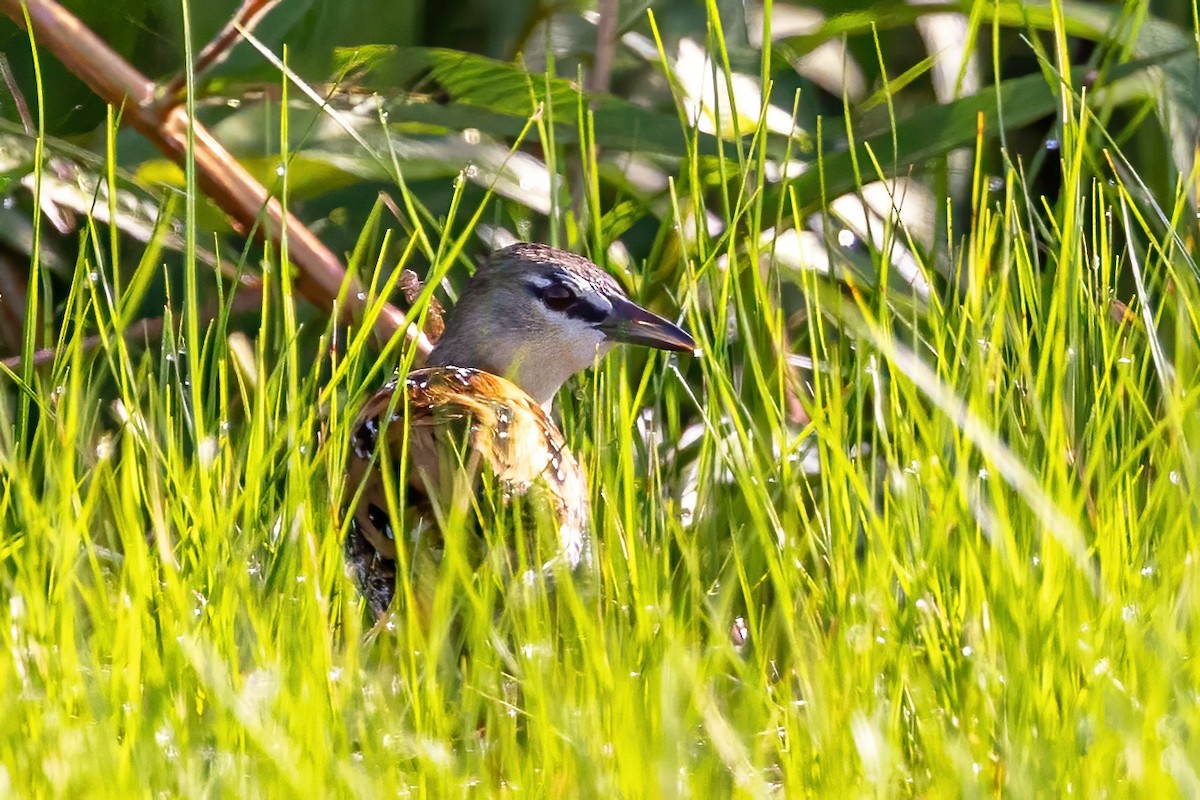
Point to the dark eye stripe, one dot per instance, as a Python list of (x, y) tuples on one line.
[(590, 308)]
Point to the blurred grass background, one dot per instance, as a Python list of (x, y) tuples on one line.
[(918, 519)]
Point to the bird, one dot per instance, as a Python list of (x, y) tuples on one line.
[(530, 317)]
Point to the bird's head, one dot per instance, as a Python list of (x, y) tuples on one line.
[(537, 316)]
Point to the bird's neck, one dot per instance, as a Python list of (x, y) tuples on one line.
[(537, 376)]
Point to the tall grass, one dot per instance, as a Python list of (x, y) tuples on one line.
[(972, 572)]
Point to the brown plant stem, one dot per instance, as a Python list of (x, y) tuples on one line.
[(215, 52), (606, 46), (321, 278)]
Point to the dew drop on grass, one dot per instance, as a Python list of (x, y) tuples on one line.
[(163, 737), (208, 451), (201, 603), (104, 448), (740, 633)]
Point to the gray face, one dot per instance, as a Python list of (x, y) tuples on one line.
[(538, 316), (604, 308)]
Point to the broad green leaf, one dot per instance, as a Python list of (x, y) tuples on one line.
[(932, 131), (498, 98)]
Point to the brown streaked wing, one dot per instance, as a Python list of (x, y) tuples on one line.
[(507, 433)]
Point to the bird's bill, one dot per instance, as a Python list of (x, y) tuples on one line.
[(629, 323)]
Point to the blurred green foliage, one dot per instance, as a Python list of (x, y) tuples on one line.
[(935, 459)]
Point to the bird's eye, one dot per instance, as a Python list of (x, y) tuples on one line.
[(558, 297)]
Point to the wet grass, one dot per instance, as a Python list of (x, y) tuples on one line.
[(968, 568)]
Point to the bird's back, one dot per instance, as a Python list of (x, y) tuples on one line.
[(454, 445)]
